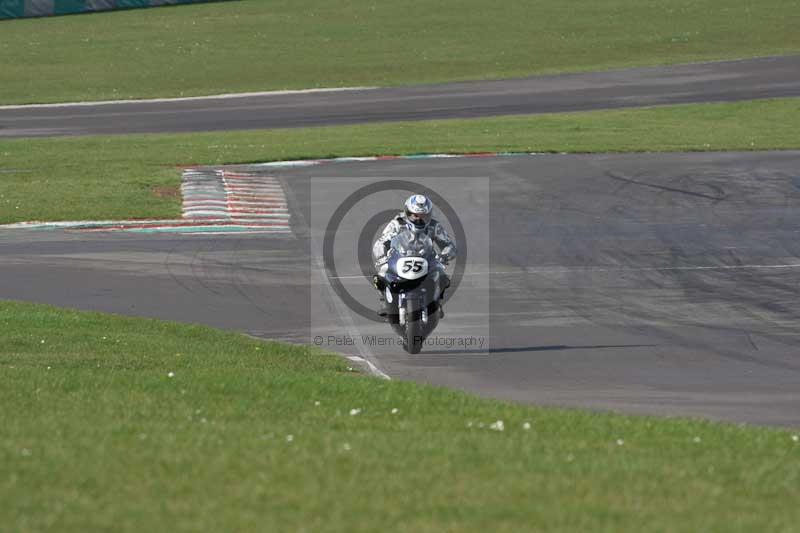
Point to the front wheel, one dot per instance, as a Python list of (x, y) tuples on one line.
[(414, 327)]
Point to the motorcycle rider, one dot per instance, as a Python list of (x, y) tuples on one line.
[(417, 211)]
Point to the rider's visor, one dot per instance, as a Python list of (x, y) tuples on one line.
[(418, 218)]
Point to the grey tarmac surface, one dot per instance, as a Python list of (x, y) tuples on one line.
[(645, 283), (702, 82)]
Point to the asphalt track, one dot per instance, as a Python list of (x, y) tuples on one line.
[(703, 82), (647, 283)]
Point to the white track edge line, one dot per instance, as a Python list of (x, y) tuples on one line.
[(225, 96)]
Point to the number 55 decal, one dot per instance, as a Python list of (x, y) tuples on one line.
[(412, 264), (413, 267)]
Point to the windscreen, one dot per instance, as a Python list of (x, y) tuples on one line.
[(413, 242)]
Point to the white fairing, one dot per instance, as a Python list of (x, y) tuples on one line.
[(412, 267)]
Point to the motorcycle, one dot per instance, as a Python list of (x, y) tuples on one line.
[(413, 287)]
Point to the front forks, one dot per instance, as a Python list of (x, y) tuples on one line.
[(401, 307), (402, 298)]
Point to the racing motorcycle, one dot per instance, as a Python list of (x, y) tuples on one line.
[(413, 287)]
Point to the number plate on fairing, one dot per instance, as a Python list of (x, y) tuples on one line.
[(412, 267)]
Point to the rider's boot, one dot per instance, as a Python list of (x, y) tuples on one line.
[(441, 298), (383, 309)]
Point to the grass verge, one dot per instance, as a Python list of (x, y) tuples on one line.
[(112, 423), (123, 177), (254, 45)]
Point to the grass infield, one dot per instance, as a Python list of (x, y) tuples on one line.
[(255, 45), (123, 424), (124, 177)]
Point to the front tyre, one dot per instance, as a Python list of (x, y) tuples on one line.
[(414, 328)]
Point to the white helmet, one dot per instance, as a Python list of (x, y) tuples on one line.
[(418, 210)]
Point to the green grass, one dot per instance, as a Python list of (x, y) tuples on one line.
[(101, 178), (95, 435), (256, 45)]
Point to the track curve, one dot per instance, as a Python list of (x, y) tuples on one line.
[(644, 283)]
